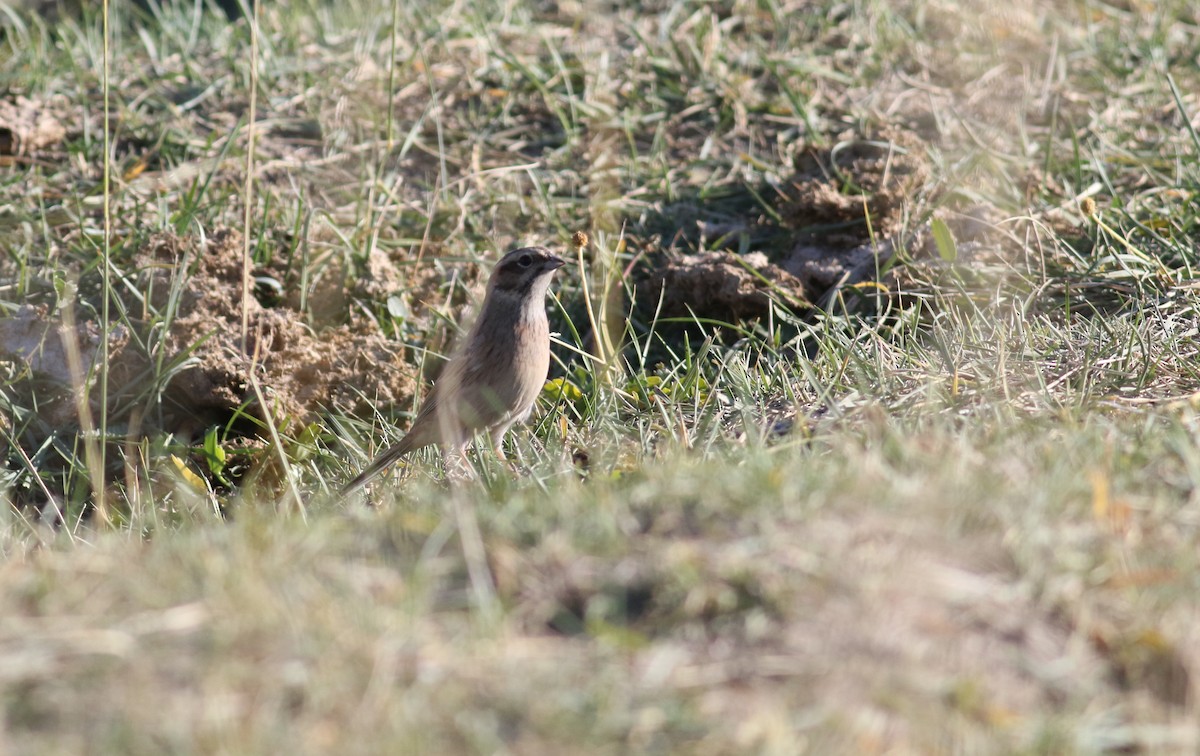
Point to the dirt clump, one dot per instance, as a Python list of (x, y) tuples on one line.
[(719, 285), (179, 366), (822, 270), (302, 371), (31, 126), (35, 351), (845, 209), (842, 216), (855, 207), (859, 178)]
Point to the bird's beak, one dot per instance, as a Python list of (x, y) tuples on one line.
[(554, 263)]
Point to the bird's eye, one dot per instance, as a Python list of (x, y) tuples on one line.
[(525, 261)]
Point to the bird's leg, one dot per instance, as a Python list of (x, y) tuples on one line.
[(454, 460), (498, 447)]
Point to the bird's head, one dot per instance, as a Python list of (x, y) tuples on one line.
[(525, 272)]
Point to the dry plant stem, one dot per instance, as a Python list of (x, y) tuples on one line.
[(98, 464), (248, 189), (248, 195), (474, 553), (92, 452), (277, 445), (136, 492), (600, 342), (51, 500), (391, 80), (37, 530), (613, 306), (604, 144), (1131, 249)]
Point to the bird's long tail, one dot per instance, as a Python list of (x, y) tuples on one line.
[(381, 463)]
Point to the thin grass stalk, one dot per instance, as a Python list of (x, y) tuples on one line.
[(96, 457), (277, 444), (248, 188), (248, 193), (93, 452), (391, 85)]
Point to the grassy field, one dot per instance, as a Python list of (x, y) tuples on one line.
[(875, 404)]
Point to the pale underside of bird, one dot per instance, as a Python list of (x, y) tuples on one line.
[(493, 380)]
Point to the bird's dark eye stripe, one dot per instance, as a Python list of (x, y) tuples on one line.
[(516, 264)]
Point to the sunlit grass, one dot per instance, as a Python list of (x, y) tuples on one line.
[(952, 513)]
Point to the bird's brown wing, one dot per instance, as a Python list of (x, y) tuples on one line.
[(485, 393)]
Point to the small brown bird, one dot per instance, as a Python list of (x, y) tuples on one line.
[(494, 378)]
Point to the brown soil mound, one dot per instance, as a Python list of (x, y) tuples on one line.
[(859, 178), (186, 369), (30, 126), (719, 285), (302, 371), (846, 211)]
